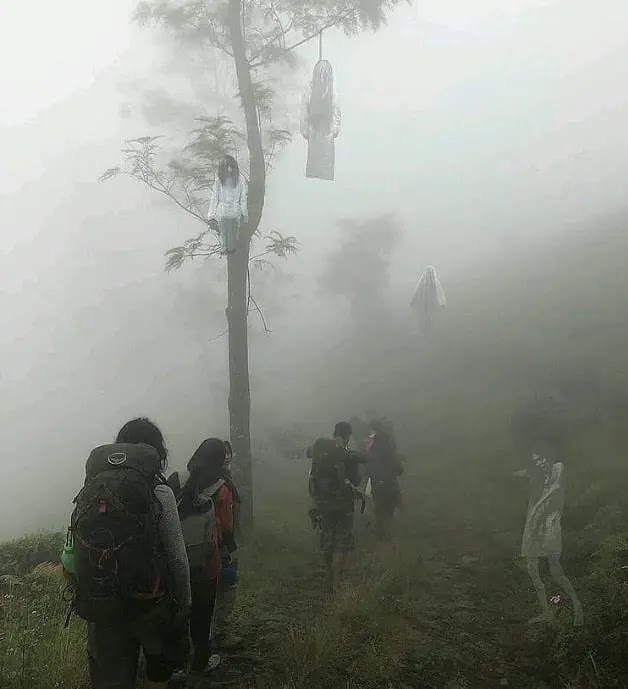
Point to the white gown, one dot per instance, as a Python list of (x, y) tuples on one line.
[(542, 535)]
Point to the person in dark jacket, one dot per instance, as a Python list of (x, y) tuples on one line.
[(333, 485), (383, 468)]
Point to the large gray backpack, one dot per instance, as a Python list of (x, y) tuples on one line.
[(198, 526)]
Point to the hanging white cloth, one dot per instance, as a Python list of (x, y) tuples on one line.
[(428, 297), (320, 122)]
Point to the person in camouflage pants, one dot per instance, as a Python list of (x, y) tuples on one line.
[(334, 481)]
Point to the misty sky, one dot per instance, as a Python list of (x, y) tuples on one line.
[(479, 128)]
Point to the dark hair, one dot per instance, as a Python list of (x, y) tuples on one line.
[(143, 430), (322, 97), (223, 169), (343, 430), (206, 467)]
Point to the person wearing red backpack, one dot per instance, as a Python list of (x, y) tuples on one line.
[(205, 503)]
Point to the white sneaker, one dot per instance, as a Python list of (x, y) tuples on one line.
[(213, 663)]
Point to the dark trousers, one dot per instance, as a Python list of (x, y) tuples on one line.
[(203, 604)]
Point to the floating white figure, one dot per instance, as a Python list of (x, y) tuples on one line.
[(429, 296)]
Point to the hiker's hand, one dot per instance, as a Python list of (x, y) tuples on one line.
[(522, 473)]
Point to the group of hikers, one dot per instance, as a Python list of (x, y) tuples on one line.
[(339, 477), (152, 562)]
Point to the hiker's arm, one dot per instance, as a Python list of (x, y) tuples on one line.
[(174, 547)]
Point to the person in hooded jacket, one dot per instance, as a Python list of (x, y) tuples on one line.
[(383, 468), (204, 481)]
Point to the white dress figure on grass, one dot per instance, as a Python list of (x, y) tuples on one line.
[(228, 204), (542, 535), (320, 122)]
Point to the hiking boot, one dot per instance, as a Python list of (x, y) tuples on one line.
[(213, 662)]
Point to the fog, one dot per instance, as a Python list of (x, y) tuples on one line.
[(480, 133)]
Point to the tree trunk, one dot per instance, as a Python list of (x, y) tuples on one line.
[(239, 390), (237, 271), (257, 181)]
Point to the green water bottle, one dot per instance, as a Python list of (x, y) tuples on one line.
[(67, 554)]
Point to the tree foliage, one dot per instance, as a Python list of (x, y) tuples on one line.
[(272, 28), (186, 181)]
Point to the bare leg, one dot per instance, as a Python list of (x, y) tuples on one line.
[(541, 593), (561, 579)]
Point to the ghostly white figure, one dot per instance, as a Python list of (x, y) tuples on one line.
[(320, 122), (429, 296), (542, 535), (228, 204)]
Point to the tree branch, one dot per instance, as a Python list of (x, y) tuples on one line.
[(288, 48), (267, 330), (251, 300)]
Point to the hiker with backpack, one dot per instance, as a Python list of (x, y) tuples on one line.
[(205, 503), (333, 486), (128, 566)]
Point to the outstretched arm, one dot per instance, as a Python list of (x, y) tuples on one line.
[(173, 544)]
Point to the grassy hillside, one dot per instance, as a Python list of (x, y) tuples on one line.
[(445, 604)]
